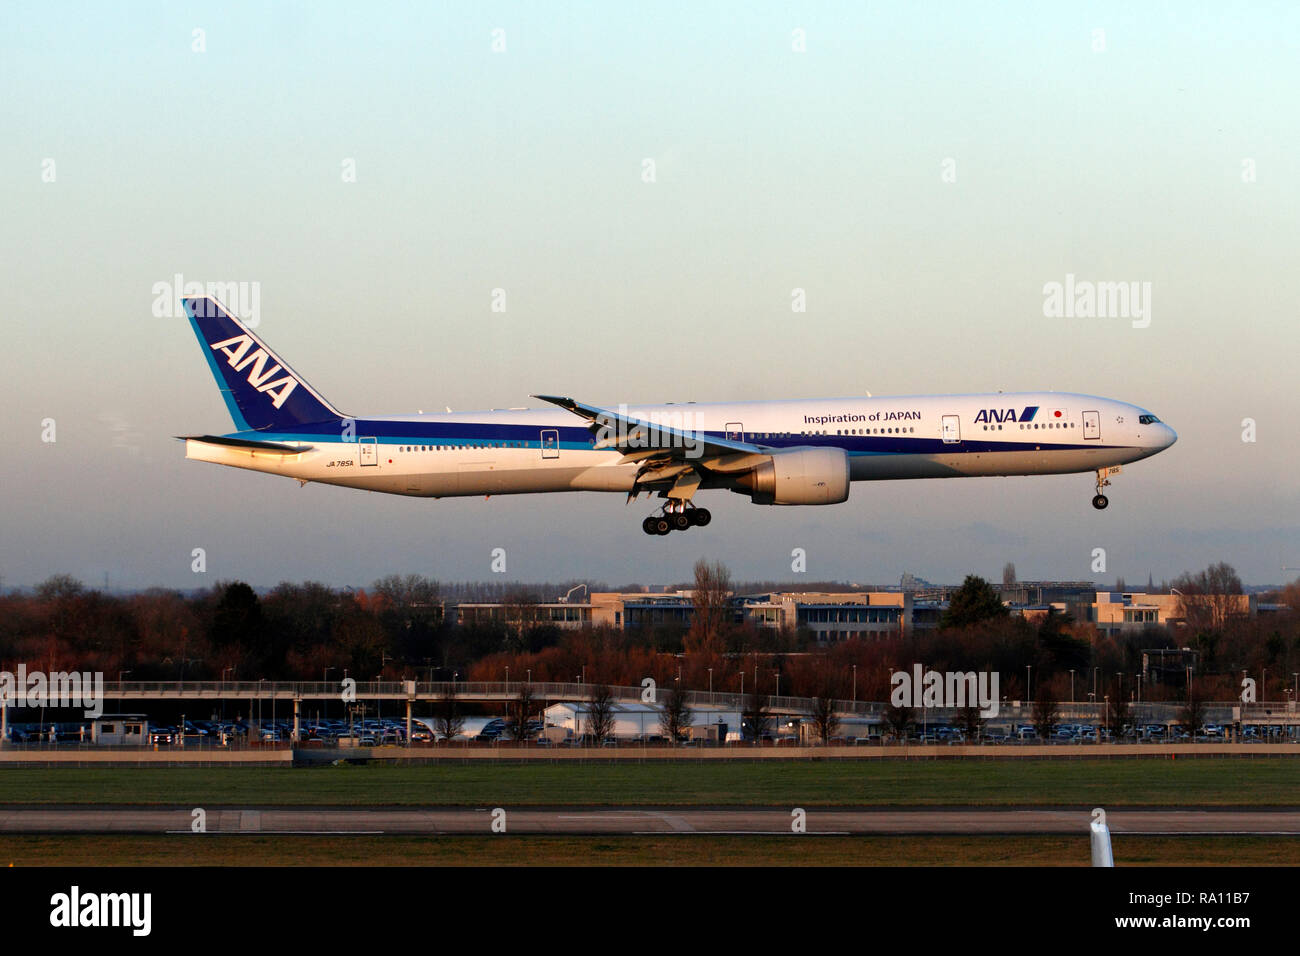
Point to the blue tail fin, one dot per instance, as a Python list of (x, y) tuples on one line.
[(261, 391)]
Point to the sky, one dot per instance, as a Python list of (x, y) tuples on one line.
[(921, 171)]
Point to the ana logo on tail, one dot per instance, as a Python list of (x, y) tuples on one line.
[(237, 351)]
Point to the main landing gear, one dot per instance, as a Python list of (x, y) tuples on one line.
[(677, 516)]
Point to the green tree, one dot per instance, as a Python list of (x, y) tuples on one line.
[(974, 601), (238, 616)]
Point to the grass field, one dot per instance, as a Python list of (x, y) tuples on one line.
[(637, 851), (1154, 782)]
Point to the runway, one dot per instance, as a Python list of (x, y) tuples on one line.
[(575, 820)]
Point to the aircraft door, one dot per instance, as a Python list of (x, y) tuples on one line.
[(1092, 426), (550, 443), (369, 452), (735, 431), (951, 429)]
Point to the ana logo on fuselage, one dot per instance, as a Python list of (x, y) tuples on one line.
[(1006, 414), (237, 350)]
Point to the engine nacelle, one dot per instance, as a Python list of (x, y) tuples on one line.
[(798, 476)]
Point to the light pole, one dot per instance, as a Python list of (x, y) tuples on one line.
[(260, 682), (710, 680), (855, 683), (1071, 686), (778, 682), (1029, 687)]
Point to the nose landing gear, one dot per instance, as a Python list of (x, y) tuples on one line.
[(1100, 501)]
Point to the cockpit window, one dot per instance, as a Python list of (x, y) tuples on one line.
[(1148, 420)]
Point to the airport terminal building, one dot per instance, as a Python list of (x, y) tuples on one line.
[(834, 617)]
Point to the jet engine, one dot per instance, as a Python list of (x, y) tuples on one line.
[(798, 476)]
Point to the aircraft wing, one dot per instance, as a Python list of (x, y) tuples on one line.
[(639, 439)]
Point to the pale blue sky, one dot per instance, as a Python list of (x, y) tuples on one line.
[(522, 170)]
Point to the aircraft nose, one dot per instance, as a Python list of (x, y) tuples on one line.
[(1167, 437)]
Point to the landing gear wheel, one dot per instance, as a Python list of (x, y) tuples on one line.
[(661, 525), (680, 521), (701, 517), (1100, 502), (648, 526)]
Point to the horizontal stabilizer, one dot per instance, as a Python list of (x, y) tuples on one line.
[(248, 445)]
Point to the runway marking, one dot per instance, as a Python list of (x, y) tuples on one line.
[(1290, 833), (788, 833), (280, 832)]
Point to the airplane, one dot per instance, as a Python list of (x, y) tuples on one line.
[(795, 452)]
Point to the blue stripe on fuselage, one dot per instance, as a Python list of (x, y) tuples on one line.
[(576, 438)]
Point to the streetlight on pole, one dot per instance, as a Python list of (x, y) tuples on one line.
[(1071, 685), (855, 683), (710, 680)]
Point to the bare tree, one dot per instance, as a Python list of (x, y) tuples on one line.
[(600, 713), (675, 717), (825, 719), (1192, 713), (448, 720), (712, 600), (1207, 599), (1008, 575), (757, 716), (899, 720), (970, 721), (1119, 713), (521, 713), (1047, 709)]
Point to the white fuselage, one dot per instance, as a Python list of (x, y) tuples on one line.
[(549, 450)]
